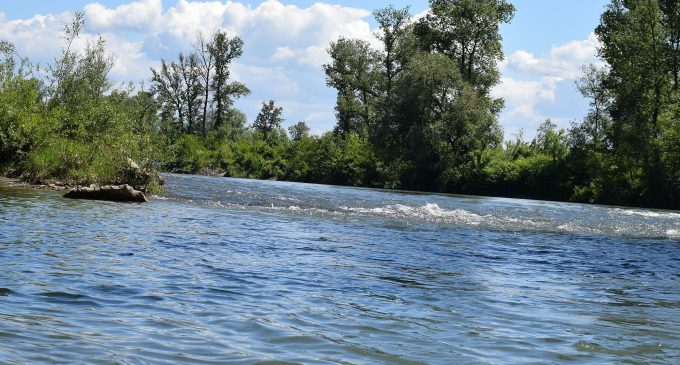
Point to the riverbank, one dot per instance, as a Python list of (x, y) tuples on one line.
[(119, 193), (9, 182)]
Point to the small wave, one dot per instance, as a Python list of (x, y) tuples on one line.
[(428, 212), (617, 223), (647, 213), (576, 228), (673, 233)]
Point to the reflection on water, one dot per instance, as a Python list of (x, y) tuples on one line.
[(237, 271)]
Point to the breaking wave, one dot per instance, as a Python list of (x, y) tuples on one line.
[(648, 213), (429, 212)]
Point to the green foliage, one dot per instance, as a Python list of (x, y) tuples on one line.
[(71, 126), (334, 159), (224, 51), (191, 156), (355, 73), (268, 120), (474, 43), (298, 131), (195, 93), (623, 150)]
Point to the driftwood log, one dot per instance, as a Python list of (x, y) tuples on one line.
[(117, 193)]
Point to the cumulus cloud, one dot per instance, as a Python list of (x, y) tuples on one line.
[(531, 82), (521, 96), (283, 54), (270, 25), (139, 16), (563, 61)]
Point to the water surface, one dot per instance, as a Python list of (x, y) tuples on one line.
[(239, 271)]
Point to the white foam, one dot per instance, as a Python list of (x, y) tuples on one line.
[(648, 213), (673, 233), (427, 212)]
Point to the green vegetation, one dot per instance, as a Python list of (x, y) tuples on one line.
[(70, 125), (416, 113)]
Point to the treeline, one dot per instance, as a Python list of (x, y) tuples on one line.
[(415, 113)]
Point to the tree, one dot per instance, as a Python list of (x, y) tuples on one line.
[(269, 119), (597, 123), (192, 88), (198, 80), (76, 77), (467, 31), (354, 73), (550, 140), (392, 28), (167, 85), (298, 131), (640, 80), (441, 120), (670, 18), (206, 66), (224, 51)]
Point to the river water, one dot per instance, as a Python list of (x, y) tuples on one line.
[(237, 271)]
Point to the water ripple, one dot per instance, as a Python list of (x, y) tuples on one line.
[(251, 272)]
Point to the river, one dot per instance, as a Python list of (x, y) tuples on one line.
[(258, 272)]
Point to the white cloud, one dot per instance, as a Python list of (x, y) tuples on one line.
[(270, 25), (272, 79), (140, 16), (283, 54), (530, 83), (314, 56), (131, 63), (562, 61)]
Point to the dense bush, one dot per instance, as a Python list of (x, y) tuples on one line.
[(71, 126)]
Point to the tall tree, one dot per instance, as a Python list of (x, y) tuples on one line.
[(597, 122), (192, 88), (269, 119), (224, 51), (442, 120), (206, 66), (298, 131), (670, 18), (167, 85), (640, 81), (467, 31), (392, 24), (354, 73)]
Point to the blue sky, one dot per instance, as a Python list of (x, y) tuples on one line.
[(545, 45)]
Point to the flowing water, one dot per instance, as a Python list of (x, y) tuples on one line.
[(236, 271)]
